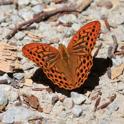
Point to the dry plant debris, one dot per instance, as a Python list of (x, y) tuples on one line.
[(8, 55)]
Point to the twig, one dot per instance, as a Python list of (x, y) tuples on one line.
[(4, 81), (73, 7), (3, 2), (107, 23), (119, 53), (97, 51), (106, 103), (113, 48)]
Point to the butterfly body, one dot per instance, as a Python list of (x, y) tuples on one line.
[(66, 67)]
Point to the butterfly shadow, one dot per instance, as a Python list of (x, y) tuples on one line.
[(99, 68)]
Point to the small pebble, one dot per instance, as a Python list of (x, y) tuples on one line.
[(76, 26), (3, 100), (38, 8), (28, 82), (12, 95), (65, 19), (68, 103), (23, 2), (19, 114), (55, 98), (18, 76), (77, 110), (26, 14), (78, 98), (19, 35)]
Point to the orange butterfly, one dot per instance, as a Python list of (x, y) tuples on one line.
[(66, 67)]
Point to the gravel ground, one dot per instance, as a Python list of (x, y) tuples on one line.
[(23, 100)]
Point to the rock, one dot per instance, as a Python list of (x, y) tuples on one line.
[(47, 108), (55, 98), (28, 82), (48, 31), (68, 103), (78, 98), (38, 8), (19, 35), (104, 121), (77, 110), (65, 19), (12, 95), (120, 87), (3, 100), (112, 107), (76, 26), (19, 114), (26, 14), (18, 76), (4, 24), (117, 19), (34, 2), (118, 32), (23, 2), (107, 4), (15, 19), (6, 78), (2, 17), (57, 109), (61, 121), (46, 1), (45, 100)]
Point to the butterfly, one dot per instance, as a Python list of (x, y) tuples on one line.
[(67, 67)]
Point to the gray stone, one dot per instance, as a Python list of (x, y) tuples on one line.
[(68, 103), (9, 92), (46, 1), (112, 107), (4, 24), (120, 86), (35, 2), (3, 100), (78, 98), (18, 76), (118, 32), (12, 95), (23, 2), (38, 8), (19, 114), (104, 121), (26, 13), (54, 99), (65, 19), (5, 77), (48, 31), (15, 19), (2, 17), (117, 19), (58, 108), (77, 110), (76, 26)]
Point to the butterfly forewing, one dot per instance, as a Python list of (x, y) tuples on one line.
[(84, 40), (42, 54)]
